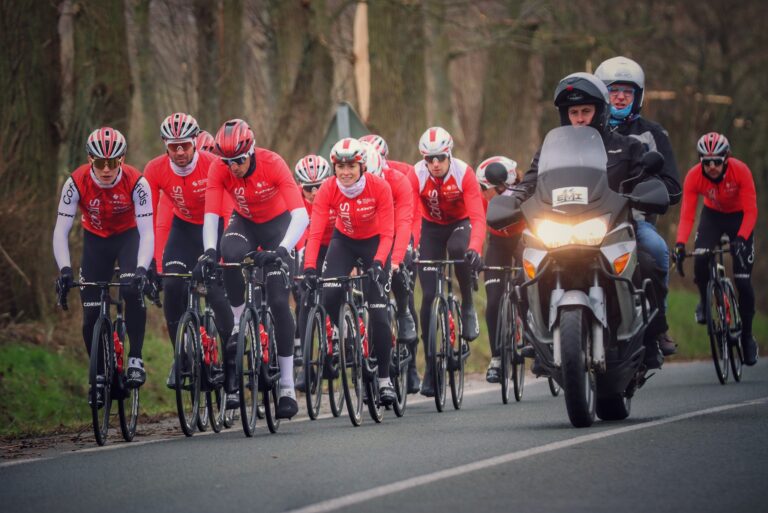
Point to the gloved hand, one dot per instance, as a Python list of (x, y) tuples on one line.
[(139, 279), (263, 258), (310, 279), (739, 246), (473, 260), (680, 258), (378, 273), (205, 267), (157, 283), (402, 277), (66, 280)]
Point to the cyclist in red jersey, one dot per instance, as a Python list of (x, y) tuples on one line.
[(453, 221), (116, 205), (269, 214), (364, 229), (205, 142), (310, 172), (730, 207), (404, 276), (181, 174), (495, 176)]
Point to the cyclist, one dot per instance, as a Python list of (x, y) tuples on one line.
[(625, 80), (730, 207), (205, 142), (403, 277), (583, 100), (116, 205), (311, 171), (181, 174), (495, 176), (453, 221), (364, 229), (268, 214)]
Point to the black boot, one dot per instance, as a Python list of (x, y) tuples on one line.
[(414, 382), (470, 326)]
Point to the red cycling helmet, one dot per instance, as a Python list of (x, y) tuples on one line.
[(205, 142), (713, 144), (106, 143), (234, 139)]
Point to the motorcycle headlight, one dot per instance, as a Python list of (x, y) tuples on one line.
[(588, 233)]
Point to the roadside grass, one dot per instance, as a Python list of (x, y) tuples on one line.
[(44, 389)]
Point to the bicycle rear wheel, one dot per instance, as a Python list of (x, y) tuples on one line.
[(717, 329), (351, 363), (398, 369), (101, 373), (315, 351), (270, 385), (439, 349), (504, 340), (248, 368), (458, 351), (187, 363), (518, 360), (736, 353)]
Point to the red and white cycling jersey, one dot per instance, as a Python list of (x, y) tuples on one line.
[(326, 239), (403, 197), (453, 197), (367, 215), (734, 193), (268, 192)]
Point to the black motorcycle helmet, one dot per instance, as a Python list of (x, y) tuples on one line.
[(583, 89)]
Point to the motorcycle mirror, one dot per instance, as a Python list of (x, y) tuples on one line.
[(650, 196), (496, 174), (503, 211), (653, 162)]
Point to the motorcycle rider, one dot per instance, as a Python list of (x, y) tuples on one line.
[(625, 80)]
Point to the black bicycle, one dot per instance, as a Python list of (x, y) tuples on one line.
[(321, 357), (106, 375), (257, 368), (509, 335), (398, 367), (722, 313), (197, 364), (447, 349)]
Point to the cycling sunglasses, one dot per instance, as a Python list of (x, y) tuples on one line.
[(110, 163), (185, 146), (626, 90), (310, 187), (235, 160), (440, 158), (716, 161)]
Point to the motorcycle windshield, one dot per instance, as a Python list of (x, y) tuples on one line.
[(569, 147)]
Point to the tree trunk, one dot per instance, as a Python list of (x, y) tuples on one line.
[(207, 16), (232, 60)]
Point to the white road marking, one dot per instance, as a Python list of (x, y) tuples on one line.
[(414, 482)]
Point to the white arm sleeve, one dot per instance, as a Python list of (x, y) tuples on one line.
[(210, 231), (142, 204), (299, 222), (64, 219)]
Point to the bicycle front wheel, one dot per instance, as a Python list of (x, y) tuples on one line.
[(101, 374), (314, 352), (269, 390), (458, 352), (504, 342), (351, 363), (736, 353), (518, 360), (439, 350), (214, 396), (128, 401), (248, 368), (398, 370), (333, 375), (718, 330), (187, 363)]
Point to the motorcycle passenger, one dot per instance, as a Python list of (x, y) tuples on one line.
[(403, 276), (583, 100), (625, 80), (116, 205), (269, 215), (181, 174), (730, 207), (453, 221), (364, 229), (495, 175)]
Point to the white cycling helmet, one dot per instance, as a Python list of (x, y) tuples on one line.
[(373, 161), (349, 150), (178, 127), (436, 141), (378, 142), (496, 171), (312, 169)]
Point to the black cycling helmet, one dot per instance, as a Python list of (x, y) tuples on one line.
[(583, 89)]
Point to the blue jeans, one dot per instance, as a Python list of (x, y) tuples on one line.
[(650, 240)]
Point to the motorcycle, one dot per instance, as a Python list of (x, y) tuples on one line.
[(587, 306)]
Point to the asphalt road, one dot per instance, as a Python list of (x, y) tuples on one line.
[(690, 444)]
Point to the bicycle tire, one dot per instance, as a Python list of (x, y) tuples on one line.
[(503, 344), (439, 344), (736, 352), (315, 351), (335, 386), (101, 356), (131, 396), (214, 396), (518, 360), (351, 365), (398, 368), (248, 368), (457, 355), (717, 330), (187, 369), (269, 393)]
